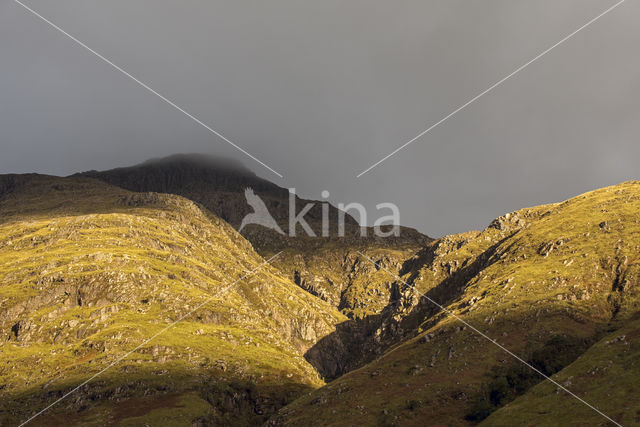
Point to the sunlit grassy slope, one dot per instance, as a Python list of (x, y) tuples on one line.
[(549, 283), (328, 267), (88, 272)]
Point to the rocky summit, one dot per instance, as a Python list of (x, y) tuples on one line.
[(127, 297)]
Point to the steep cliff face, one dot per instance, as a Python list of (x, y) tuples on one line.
[(188, 314), (548, 283)]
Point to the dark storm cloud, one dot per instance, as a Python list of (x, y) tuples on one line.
[(321, 90)]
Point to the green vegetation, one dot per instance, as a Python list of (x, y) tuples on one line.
[(606, 376), (335, 271), (89, 273), (544, 282), (92, 276), (509, 382)]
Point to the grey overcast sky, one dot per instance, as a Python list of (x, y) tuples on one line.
[(320, 90)]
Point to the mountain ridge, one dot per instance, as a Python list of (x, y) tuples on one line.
[(311, 262), (557, 284), (548, 283)]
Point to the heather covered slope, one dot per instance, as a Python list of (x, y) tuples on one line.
[(88, 272), (547, 282)]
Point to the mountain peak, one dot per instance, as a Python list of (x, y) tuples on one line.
[(199, 161), (181, 173), (202, 163)]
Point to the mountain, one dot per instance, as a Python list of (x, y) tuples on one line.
[(556, 285), (308, 330), (219, 185), (94, 277), (334, 268), (324, 266)]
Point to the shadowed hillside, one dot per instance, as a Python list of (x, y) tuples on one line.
[(607, 374)]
